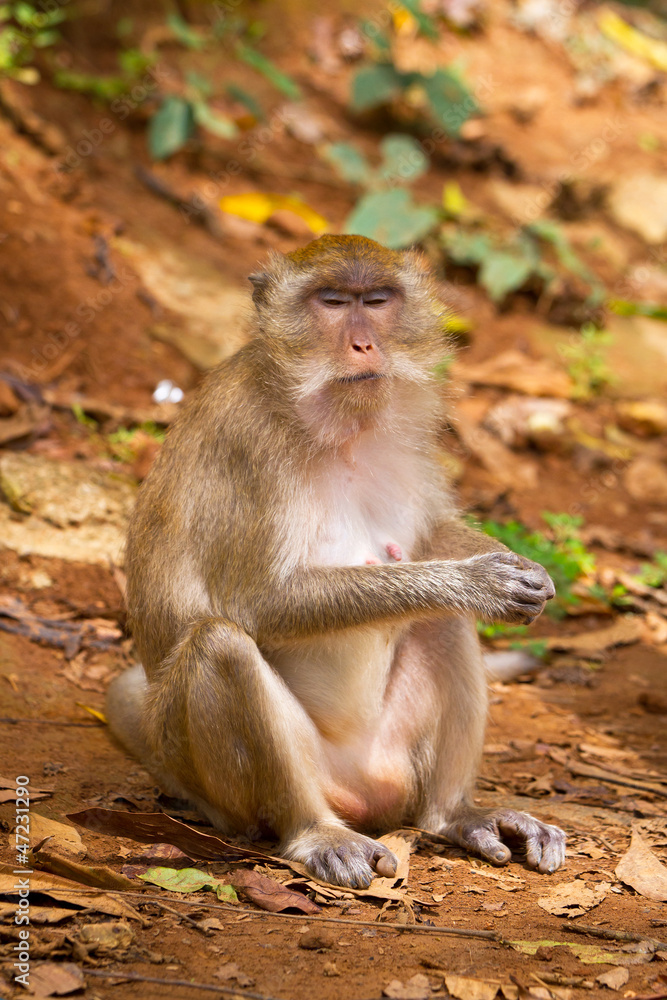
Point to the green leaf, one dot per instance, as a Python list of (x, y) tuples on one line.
[(247, 100), (425, 23), (188, 880), (452, 103), (392, 218), (281, 81), (375, 85), (213, 122), (349, 162), (466, 248), (403, 158), (622, 307), (170, 127), (184, 33), (503, 272)]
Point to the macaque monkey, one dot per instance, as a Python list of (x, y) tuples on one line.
[(303, 592)]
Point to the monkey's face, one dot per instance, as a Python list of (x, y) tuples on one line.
[(353, 328), (349, 325)]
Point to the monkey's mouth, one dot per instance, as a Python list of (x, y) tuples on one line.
[(364, 377)]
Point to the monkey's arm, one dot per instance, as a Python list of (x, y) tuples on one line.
[(494, 586), (454, 539)]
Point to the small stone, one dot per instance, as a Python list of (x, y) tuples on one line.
[(330, 969), (316, 940), (646, 480)]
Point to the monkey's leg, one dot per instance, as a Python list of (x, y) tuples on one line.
[(224, 726), (448, 656)]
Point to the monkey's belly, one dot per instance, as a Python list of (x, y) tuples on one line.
[(341, 680)]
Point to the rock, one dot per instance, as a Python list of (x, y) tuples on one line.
[(639, 202), (647, 418), (315, 940), (646, 480), (213, 315), (9, 404), (69, 512), (522, 420)]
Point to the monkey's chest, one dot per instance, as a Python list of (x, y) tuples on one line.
[(362, 517)]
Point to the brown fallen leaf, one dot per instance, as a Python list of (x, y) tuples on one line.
[(466, 988), (8, 791), (158, 828), (515, 370), (592, 644), (615, 978), (509, 469), (106, 936), (571, 899), (642, 870), (55, 979), (69, 636), (96, 876), (64, 890), (270, 894), (614, 777), (416, 988), (59, 836), (231, 972)]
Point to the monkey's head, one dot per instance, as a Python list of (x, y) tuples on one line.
[(349, 323)]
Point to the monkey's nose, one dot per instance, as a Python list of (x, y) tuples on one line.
[(362, 346)]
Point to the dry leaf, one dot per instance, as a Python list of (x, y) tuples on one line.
[(231, 972), (270, 894), (416, 988), (116, 934), (571, 899), (470, 989), (514, 370), (154, 828), (641, 869), (626, 630), (615, 978), (55, 979), (65, 891)]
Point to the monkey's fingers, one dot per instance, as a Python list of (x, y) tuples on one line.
[(385, 864), (480, 835), (544, 844)]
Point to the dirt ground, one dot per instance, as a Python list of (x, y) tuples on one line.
[(579, 742)]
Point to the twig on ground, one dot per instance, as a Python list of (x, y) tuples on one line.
[(136, 977), (232, 910), (611, 935), (194, 210)]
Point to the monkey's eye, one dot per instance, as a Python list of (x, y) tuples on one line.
[(332, 298), (378, 297)]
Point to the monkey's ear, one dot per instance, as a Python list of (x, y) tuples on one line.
[(260, 282)]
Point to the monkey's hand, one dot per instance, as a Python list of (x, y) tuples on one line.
[(338, 855), (507, 587), (484, 832)]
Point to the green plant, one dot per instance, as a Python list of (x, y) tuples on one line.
[(563, 555), (443, 95), (387, 211), (124, 443), (24, 29), (654, 574), (508, 263), (586, 359)]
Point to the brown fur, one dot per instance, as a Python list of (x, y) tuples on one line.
[(287, 685)]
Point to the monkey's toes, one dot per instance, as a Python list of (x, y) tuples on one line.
[(485, 834), (338, 855)]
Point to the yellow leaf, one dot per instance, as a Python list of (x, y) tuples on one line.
[(651, 50), (454, 201), (93, 711), (404, 22), (259, 206)]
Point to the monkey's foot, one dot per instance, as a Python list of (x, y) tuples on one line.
[(483, 832), (340, 856)]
